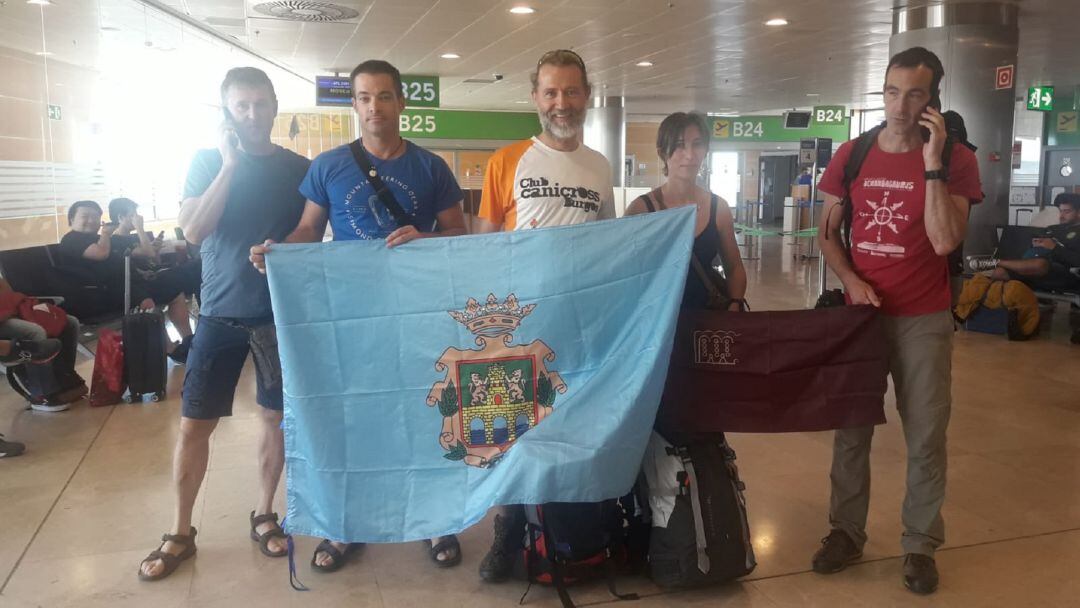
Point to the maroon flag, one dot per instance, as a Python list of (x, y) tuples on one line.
[(775, 372)]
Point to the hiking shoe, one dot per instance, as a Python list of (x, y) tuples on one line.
[(33, 351), (920, 573), (836, 552), (979, 263), (10, 448), (498, 564)]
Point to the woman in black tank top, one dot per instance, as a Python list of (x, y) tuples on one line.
[(683, 144)]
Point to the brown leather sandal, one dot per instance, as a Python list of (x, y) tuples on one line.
[(172, 562), (274, 532)]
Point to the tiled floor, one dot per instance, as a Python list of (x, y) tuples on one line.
[(91, 497)]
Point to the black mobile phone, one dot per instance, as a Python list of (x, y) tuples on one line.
[(935, 102), (161, 236)]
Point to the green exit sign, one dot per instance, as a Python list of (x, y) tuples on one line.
[(1041, 99)]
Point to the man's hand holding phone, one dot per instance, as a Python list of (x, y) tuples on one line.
[(933, 131), (229, 144)]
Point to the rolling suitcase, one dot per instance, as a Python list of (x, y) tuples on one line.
[(144, 347)]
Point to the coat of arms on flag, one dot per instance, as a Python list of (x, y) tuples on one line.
[(492, 395)]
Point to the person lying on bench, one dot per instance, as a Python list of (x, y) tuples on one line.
[(1046, 265), (91, 245)]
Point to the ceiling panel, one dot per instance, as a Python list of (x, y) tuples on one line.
[(712, 55)]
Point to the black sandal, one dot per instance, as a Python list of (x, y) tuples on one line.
[(450, 543), (263, 539), (172, 562), (339, 557)]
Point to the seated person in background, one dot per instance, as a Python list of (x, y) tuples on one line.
[(50, 376), (124, 214), (91, 245), (1046, 266)]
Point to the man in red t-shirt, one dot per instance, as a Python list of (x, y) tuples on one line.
[(909, 211)]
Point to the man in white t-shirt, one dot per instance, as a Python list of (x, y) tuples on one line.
[(552, 179)]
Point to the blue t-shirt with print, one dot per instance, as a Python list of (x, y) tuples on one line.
[(420, 181)]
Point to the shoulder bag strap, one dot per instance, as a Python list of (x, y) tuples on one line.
[(385, 196)]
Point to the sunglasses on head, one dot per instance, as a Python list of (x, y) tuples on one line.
[(563, 54)]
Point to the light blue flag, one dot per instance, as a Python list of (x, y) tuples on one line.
[(425, 384)]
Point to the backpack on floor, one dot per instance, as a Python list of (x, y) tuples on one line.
[(700, 533), (567, 543)]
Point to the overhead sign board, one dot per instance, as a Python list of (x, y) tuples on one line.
[(419, 91)]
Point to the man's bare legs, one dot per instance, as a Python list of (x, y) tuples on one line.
[(189, 468), (271, 458)]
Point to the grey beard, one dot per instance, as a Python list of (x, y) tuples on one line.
[(558, 131)]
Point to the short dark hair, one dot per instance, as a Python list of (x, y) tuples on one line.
[(79, 205), (377, 66), (560, 58), (919, 56), (246, 77), (1067, 198), (121, 206), (671, 131)]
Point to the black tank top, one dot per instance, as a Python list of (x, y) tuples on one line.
[(706, 248)]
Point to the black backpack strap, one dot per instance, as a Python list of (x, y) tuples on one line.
[(648, 202), (385, 196), (558, 578), (860, 150)]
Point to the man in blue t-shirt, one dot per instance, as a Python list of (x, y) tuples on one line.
[(339, 192), (243, 192)]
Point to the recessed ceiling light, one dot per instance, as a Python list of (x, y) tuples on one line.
[(521, 101), (41, 2), (644, 64), (110, 28), (523, 10), (777, 22), (44, 53), (450, 56), (813, 94)]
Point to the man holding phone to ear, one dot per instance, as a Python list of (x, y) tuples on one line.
[(243, 192), (909, 211)]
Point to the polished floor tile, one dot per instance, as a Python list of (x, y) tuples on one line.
[(92, 496)]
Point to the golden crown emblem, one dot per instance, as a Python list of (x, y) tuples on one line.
[(492, 318)]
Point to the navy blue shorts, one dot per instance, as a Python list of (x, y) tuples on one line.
[(218, 352)]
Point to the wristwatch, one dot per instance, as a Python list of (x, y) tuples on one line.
[(941, 174)]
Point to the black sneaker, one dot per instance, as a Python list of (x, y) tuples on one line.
[(836, 552), (33, 351), (498, 564), (180, 353), (920, 573), (50, 404), (10, 448)]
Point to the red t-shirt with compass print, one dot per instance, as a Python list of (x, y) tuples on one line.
[(889, 245)]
